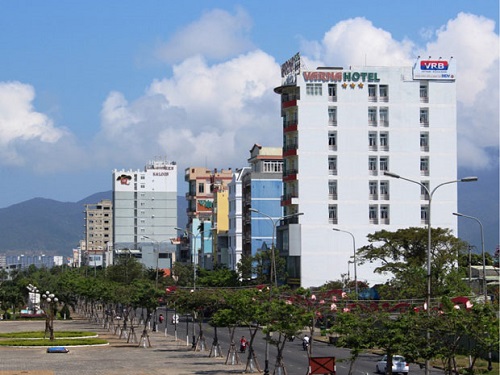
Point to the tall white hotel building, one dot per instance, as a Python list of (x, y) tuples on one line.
[(145, 213), (342, 128)]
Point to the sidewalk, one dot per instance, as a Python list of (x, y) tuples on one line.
[(166, 356)]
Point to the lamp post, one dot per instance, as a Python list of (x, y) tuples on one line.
[(354, 258), (273, 266), (158, 243), (485, 291), (195, 236), (429, 237), (274, 224), (50, 303)]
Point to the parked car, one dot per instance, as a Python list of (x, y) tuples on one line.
[(399, 365)]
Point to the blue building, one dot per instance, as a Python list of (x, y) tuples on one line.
[(255, 203)]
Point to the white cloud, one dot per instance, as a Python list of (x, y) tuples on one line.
[(357, 42), (21, 124), (472, 41), (209, 113), (203, 111), (216, 35)]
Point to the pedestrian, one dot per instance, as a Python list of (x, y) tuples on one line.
[(243, 344), (161, 318)]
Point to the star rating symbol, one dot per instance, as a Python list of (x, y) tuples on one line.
[(353, 85), (344, 85), (360, 85)]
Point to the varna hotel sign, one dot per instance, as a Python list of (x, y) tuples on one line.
[(340, 76)]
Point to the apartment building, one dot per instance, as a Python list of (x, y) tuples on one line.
[(98, 232), (257, 187), (145, 213)]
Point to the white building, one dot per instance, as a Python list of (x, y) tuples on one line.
[(342, 128), (145, 213)]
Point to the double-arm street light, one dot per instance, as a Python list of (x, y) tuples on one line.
[(485, 291), (429, 237), (273, 269), (274, 224), (354, 258), (193, 251)]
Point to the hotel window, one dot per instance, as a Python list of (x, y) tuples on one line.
[(332, 214), (372, 187), (314, 89), (201, 187), (424, 92), (143, 177), (424, 141), (332, 92), (332, 165), (332, 141), (384, 214), (373, 214), (372, 165), (332, 189), (424, 166), (424, 214), (143, 186), (372, 116), (424, 191), (384, 163), (384, 190), (384, 116), (384, 93), (424, 117), (384, 141), (372, 141), (372, 93), (332, 116)]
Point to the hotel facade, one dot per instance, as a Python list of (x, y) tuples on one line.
[(343, 128)]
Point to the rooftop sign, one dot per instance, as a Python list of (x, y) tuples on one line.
[(290, 69), (438, 69)]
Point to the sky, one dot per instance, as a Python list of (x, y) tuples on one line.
[(87, 87)]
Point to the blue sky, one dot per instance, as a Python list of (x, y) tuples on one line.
[(90, 86)]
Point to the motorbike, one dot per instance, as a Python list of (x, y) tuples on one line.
[(305, 344)]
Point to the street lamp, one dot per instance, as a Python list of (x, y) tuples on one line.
[(50, 303), (274, 223), (485, 291), (158, 243), (429, 238), (273, 265), (193, 250), (354, 257)]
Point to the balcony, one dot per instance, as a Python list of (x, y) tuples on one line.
[(290, 174), (290, 125), (290, 149)]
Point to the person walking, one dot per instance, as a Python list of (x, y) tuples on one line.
[(243, 344)]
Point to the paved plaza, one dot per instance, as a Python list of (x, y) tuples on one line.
[(166, 356)]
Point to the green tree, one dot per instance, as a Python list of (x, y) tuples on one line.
[(403, 254), (352, 328), (221, 276)]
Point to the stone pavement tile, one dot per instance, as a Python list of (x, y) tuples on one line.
[(165, 357)]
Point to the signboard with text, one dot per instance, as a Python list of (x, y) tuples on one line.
[(438, 69)]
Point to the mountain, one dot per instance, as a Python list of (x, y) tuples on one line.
[(52, 227)]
